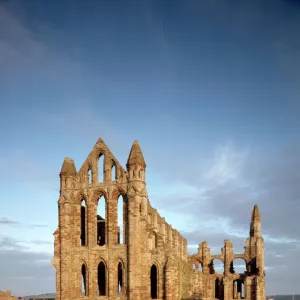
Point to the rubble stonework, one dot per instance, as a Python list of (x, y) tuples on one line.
[(7, 296), (98, 257)]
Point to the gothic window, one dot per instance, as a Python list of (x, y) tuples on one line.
[(83, 280), (120, 279), (90, 176), (101, 279), (113, 172), (101, 222), (153, 282), (101, 168), (83, 223), (120, 216), (217, 289)]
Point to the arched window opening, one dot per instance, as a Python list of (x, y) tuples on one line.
[(238, 266), (153, 282), (83, 280), (216, 266), (90, 176), (252, 268), (101, 168), (83, 224), (120, 279), (121, 226), (101, 279), (113, 172), (101, 224), (238, 289), (217, 289), (197, 266)]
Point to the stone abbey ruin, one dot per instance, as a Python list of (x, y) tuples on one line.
[(112, 244)]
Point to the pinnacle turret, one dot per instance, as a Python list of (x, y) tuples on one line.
[(68, 167), (136, 156), (255, 222), (255, 214)]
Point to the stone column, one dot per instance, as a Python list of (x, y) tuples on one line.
[(65, 212), (92, 225), (227, 285), (134, 259)]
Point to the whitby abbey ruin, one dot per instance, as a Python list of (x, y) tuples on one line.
[(112, 244)]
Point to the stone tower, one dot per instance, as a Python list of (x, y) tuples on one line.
[(112, 244)]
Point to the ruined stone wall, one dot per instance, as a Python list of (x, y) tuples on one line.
[(152, 261), (208, 283), (149, 241)]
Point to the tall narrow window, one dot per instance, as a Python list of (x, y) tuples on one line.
[(113, 172), (238, 287), (90, 176), (217, 289), (121, 233), (83, 223), (101, 224), (101, 168), (234, 289), (83, 280), (153, 282), (101, 279), (154, 240), (120, 279)]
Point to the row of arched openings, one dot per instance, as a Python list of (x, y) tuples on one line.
[(238, 287), (101, 169), (216, 266), (101, 280), (101, 235)]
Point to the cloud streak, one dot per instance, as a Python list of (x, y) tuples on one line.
[(9, 222)]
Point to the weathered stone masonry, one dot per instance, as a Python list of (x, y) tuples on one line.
[(111, 244)]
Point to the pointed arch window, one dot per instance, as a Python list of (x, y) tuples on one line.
[(120, 279), (83, 223), (101, 279), (83, 280), (101, 222), (90, 176), (113, 172), (121, 215), (101, 168), (153, 282)]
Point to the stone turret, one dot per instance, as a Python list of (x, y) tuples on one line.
[(136, 165), (255, 230), (67, 173)]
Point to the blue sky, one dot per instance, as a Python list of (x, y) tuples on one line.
[(209, 88)]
